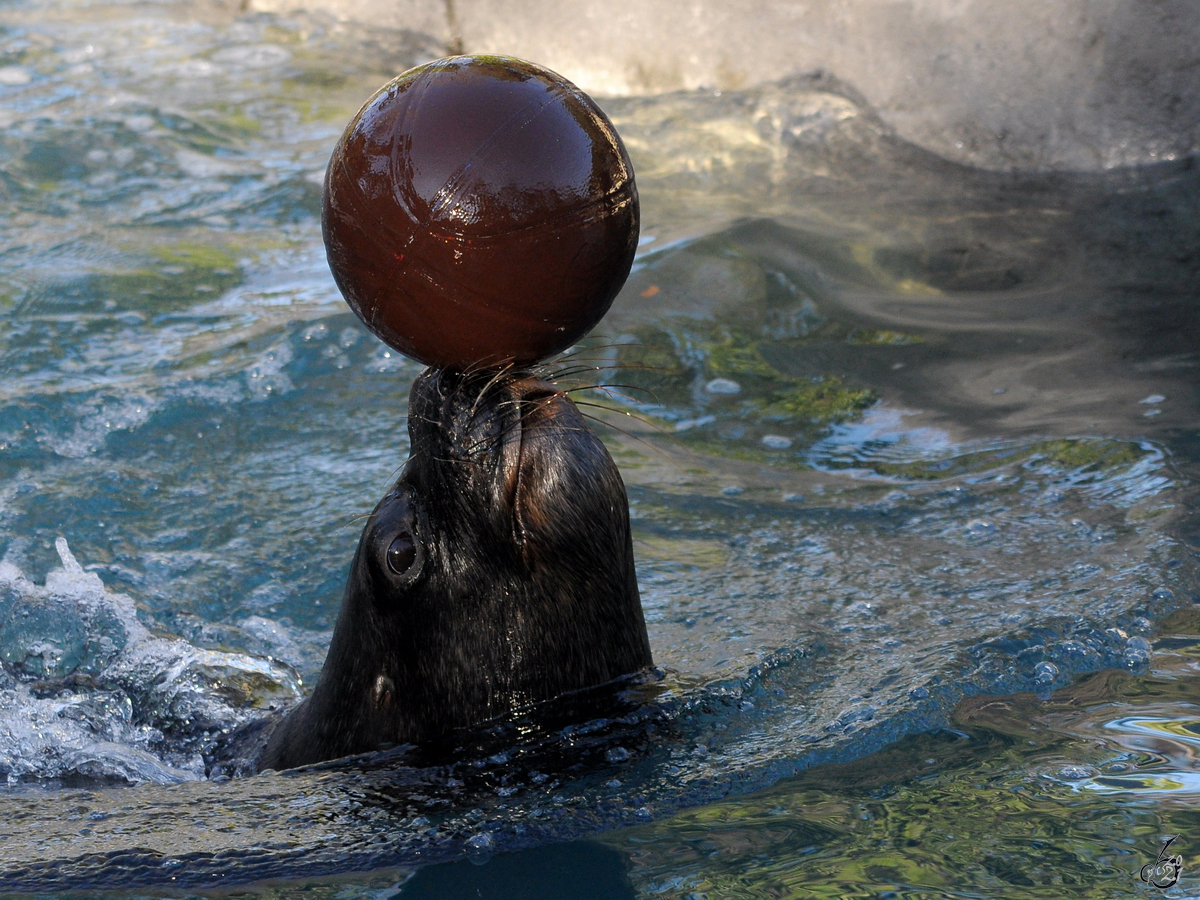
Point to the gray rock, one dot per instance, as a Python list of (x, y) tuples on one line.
[(1028, 84)]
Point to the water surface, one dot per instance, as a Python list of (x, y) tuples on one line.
[(896, 434)]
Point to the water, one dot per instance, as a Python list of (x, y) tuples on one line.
[(899, 437)]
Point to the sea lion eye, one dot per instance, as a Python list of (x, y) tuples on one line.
[(401, 553)]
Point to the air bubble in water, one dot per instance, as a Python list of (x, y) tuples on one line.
[(1045, 672), (978, 528), (481, 843), (14, 76)]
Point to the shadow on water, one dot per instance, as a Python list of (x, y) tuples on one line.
[(583, 870)]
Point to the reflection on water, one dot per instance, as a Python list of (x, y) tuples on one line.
[(896, 434), (1067, 797)]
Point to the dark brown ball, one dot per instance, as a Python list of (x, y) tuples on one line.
[(480, 210)]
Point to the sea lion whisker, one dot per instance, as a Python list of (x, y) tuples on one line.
[(559, 374), (526, 404), (618, 392), (360, 517), (478, 448), (591, 348), (553, 374), (414, 417), (615, 390), (448, 460), (480, 365), (631, 368), (590, 374), (629, 434), (600, 386), (495, 379), (458, 388), (642, 367), (486, 444), (649, 423), (467, 381), (579, 361)]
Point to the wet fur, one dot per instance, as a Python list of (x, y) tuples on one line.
[(523, 587)]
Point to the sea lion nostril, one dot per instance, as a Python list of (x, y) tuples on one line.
[(401, 554)]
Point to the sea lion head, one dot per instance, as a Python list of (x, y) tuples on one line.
[(496, 573)]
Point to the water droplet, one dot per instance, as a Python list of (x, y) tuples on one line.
[(139, 123), (253, 56), (1045, 672), (481, 842), (1073, 648), (14, 76), (1076, 772), (723, 386), (688, 424), (1134, 659), (317, 332)]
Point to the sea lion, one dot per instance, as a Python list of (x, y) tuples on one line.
[(496, 573)]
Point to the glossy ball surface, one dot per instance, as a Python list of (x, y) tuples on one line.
[(480, 210)]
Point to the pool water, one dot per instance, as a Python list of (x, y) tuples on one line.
[(911, 452), (1017, 797)]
